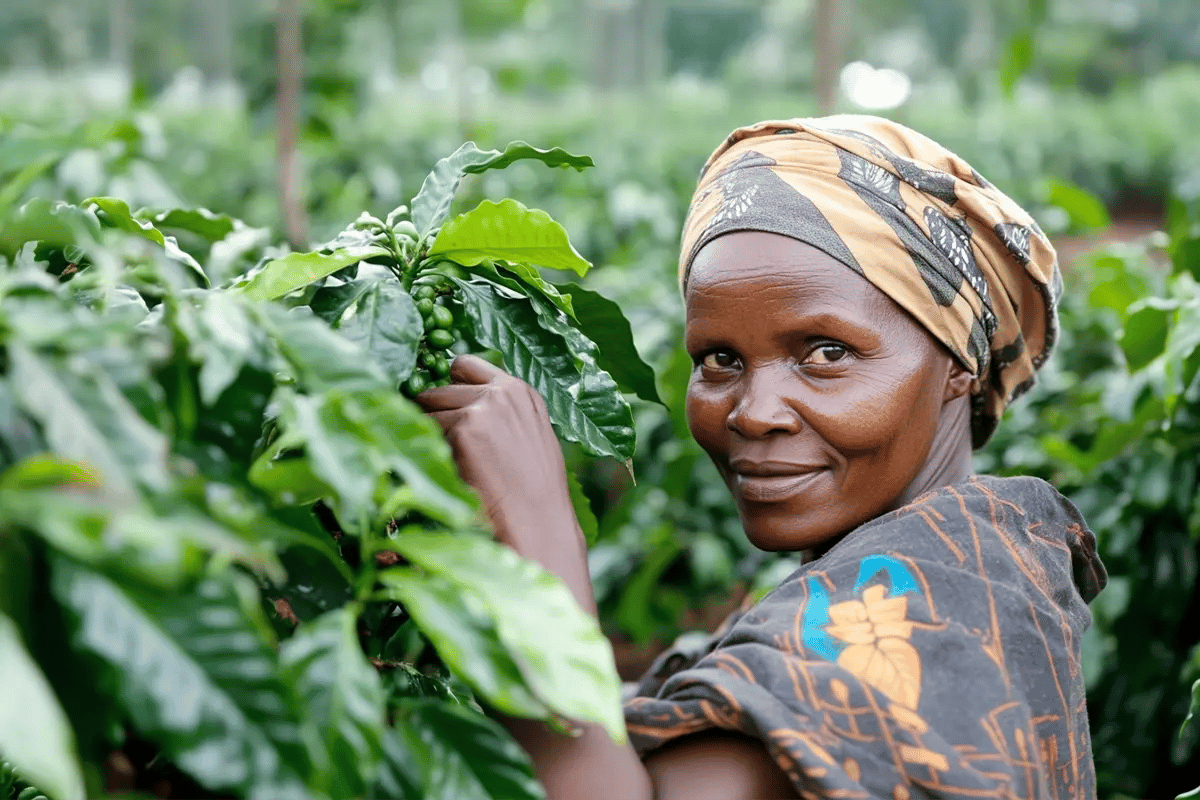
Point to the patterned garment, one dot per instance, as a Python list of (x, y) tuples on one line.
[(932, 652), (911, 217)]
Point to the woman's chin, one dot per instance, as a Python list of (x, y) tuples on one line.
[(790, 534)]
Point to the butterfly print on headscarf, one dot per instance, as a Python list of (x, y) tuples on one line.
[(872, 177), (1016, 239), (931, 181), (953, 237), (737, 193)]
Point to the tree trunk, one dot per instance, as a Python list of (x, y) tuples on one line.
[(287, 109), (216, 28), (827, 45), (120, 35)]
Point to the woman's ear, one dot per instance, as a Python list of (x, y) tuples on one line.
[(958, 381)]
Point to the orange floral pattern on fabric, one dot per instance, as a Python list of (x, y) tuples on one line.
[(880, 652)]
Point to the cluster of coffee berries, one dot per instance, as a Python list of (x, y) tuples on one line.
[(8, 778), (434, 354)]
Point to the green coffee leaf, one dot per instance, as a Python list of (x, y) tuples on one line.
[(330, 302), (524, 279), (400, 771), (431, 206), (196, 676), (601, 320), (355, 442), (316, 357), (507, 231), (1083, 209), (1018, 55), (116, 535), (286, 274), (1194, 709), (53, 223), (1144, 336), (326, 583), (341, 700), (564, 658), (114, 213), (1182, 352), (200, 221), (465, 637), (515, 151), (385, 323), (463, 755), (223, 341), (35, 734), (583, 400), (583, 509), (85, 418)]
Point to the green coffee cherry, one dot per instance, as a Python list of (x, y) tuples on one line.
[(441, 366), (426, 306), (29, 793), (425, 292), (442, 317), (427, 359), (415, 384), (440, 338)]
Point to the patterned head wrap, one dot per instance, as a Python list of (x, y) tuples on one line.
[(911, 217)]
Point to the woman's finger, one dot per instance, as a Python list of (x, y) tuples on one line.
[(451, 396), (446, 419), (474, 370)]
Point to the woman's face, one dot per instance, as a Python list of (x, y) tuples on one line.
[(817, 397)]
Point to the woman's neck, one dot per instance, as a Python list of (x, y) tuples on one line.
[(949, 460)]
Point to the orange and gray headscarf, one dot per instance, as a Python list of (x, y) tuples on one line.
[(911, 217)]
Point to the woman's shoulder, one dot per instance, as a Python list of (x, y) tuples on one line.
[(983, 524)]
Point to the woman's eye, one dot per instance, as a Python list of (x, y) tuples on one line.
[(719, 359), (827, 354)]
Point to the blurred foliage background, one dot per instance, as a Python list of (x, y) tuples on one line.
[(297, 116)]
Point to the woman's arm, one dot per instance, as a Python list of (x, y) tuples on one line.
[(506, 451)]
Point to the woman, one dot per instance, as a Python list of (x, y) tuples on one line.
[(861, 306)]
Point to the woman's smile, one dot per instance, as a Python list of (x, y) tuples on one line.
[(772, 488)]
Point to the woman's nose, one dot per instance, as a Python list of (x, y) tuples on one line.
[(762, 408)]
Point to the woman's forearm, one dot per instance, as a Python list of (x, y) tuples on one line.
[(590, 765), (585, 767)]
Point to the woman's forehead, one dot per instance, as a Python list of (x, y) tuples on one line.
[(763, 280), (745, 257)]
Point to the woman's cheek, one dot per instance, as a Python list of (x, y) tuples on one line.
[(706, 416), (870, 418)]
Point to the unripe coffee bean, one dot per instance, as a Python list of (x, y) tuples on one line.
[(440, 338), (415, 384), (441, 366), (442, 317)]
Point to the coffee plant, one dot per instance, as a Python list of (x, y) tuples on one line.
[(235, 559)]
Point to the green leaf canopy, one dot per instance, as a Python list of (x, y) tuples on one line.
[(550, 355), (35, 735), (507, 231), (558, 647), (432, 204)]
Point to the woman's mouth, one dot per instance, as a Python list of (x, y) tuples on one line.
[(772, 488)]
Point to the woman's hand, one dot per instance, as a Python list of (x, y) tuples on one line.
[(505, 449)]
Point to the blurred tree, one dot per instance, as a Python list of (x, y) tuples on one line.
[(700, 36), (827, 47), (289, 57)]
